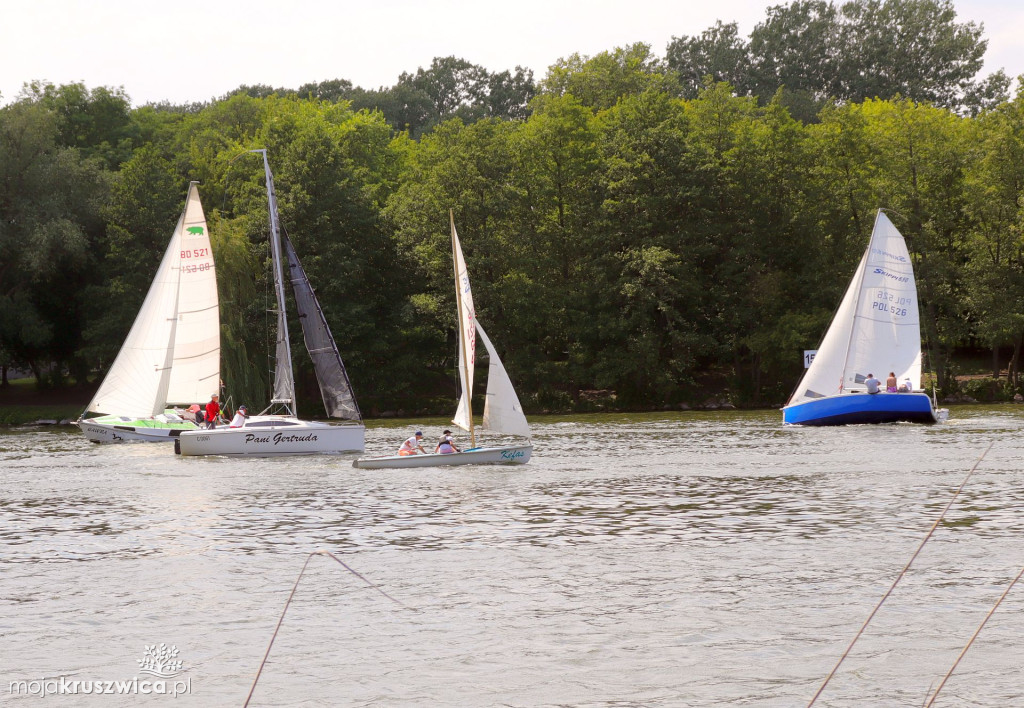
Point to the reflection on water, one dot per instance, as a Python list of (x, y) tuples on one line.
[(638, 560)]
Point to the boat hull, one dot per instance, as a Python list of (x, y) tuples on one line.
[(507, 455), (110, 430), (274, 436), (848, 409)]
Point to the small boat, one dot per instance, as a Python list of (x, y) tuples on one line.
[(171, 356), (502, 410), (875, 330), (277, 431)]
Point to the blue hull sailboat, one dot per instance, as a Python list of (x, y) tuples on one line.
[(877, 329)]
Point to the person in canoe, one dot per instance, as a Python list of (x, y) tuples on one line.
[(413, 445)]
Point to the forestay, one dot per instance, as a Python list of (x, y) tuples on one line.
[(877, 327)]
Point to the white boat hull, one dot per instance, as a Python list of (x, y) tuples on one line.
[(132, 430), (274, 436), (508, 455)]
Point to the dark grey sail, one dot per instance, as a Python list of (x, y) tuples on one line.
[(336, 389)]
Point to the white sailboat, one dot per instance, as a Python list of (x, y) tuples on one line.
[(171, 357), (278, 431), (877, 329), (502, 410)]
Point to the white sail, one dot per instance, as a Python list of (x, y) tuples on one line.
[(467, 335), (877, 327), (195, 367), (502, 411), (137, 382)]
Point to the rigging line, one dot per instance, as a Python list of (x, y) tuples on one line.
[(900, 576), (289, 601), (973, 637)]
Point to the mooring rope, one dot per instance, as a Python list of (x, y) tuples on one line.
[(973, 637), (289, 602), (900, 576)]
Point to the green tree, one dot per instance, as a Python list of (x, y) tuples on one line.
[(50, 198), (718, 53)]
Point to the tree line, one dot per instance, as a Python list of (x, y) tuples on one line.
[(640, 231)]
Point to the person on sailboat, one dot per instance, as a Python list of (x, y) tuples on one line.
[(212, 411), (906, 386), (447, 445), (891, 383), (412, 446), (872, 384), (239, 420)]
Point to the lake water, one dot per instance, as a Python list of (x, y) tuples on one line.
[(694, 559)]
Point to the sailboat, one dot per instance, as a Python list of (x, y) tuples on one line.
[(171, 356), (277, 431), (876, 329), (502, 410)]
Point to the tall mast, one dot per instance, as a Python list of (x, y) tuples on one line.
[(284, 384), (466, 390)]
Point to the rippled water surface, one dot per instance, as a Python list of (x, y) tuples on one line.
[(693, 559)]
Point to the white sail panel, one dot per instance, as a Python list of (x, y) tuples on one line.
[(502, 410), (825, 375), (136, 384), (467, 335), (195, 371), (887, 327)]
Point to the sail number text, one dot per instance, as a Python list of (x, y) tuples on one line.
[(895, 305), (195, 253)]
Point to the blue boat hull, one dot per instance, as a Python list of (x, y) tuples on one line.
[(854, 408)]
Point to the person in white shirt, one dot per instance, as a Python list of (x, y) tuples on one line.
[(906, 386), (872, 383), (239, 420), (412, 446)]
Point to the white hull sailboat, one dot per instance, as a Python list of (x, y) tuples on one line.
[(275, 435), (277, 430), (171, 356), (876, 330), (502, 410)]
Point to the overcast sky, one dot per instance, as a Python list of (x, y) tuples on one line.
[(195, 51)]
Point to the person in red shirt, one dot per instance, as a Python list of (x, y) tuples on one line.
[(212, 411)]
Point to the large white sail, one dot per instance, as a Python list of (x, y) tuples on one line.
[(887, 327), (877, 327), (502, 411), (137, 382), (467, 335), (195, 367)]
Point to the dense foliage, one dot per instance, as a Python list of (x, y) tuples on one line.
[(654, 230)]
